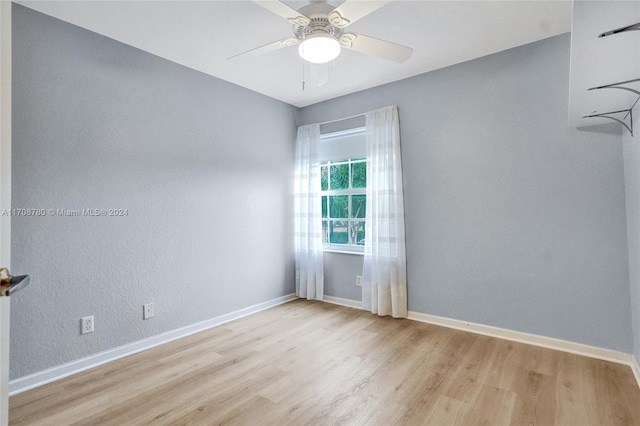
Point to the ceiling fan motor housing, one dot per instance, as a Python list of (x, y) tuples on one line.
[(319, 25)]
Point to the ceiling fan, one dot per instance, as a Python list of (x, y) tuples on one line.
[(320, 31)]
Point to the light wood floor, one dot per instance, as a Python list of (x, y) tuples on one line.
[(320, 364)]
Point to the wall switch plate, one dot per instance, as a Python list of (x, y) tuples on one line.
[(147, 311), (359, 280), (86, 325)]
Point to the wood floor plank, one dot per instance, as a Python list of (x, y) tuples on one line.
[(502, 403), (447, 411), (319, 364)]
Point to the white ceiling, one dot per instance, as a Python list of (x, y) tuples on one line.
[(202, 34)]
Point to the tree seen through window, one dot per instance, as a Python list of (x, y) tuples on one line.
[(344, 202)]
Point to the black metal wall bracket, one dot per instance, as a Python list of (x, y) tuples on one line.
[(634, 27), (619, 85), (628, 113)]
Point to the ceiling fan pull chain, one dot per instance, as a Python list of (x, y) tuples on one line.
[(302, 75)]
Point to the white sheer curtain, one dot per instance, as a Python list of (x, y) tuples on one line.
[(308, 215), (384, 289)]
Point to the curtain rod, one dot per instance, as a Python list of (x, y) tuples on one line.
[(342, 119), (351, 117)]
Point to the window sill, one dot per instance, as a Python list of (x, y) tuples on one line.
[(357, 253)]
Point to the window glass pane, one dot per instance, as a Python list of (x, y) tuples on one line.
[(339, 206), (324, 231), (339, 232), (343, 216), (358, 206), (359, 174), (339, 176), (357, 233), (324, 178)]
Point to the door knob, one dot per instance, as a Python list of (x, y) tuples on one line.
[(11, 284)]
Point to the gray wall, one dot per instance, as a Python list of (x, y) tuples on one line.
[(204, 168), (340, 272), (513, 219), (632, 186)]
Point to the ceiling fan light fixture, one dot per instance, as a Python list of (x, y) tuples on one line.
[(319, 49)]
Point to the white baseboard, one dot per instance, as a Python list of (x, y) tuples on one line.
[(343, 302), (530, 339), (55, 373), (516, 336), (635, 367)]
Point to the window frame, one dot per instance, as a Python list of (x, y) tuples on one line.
[(348, 248)]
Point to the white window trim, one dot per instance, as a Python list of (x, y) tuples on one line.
[(342, 134), (356, 253)]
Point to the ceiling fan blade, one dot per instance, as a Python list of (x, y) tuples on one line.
[(285, 11), (351, 11), (290, 41), (376, 47)]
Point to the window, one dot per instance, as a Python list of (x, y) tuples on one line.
[(343, 175), (344, 203)]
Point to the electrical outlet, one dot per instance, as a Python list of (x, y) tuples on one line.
[(359, 280), (86, 325), (147, 311)]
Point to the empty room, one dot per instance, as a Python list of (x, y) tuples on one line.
[(319, 212)]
